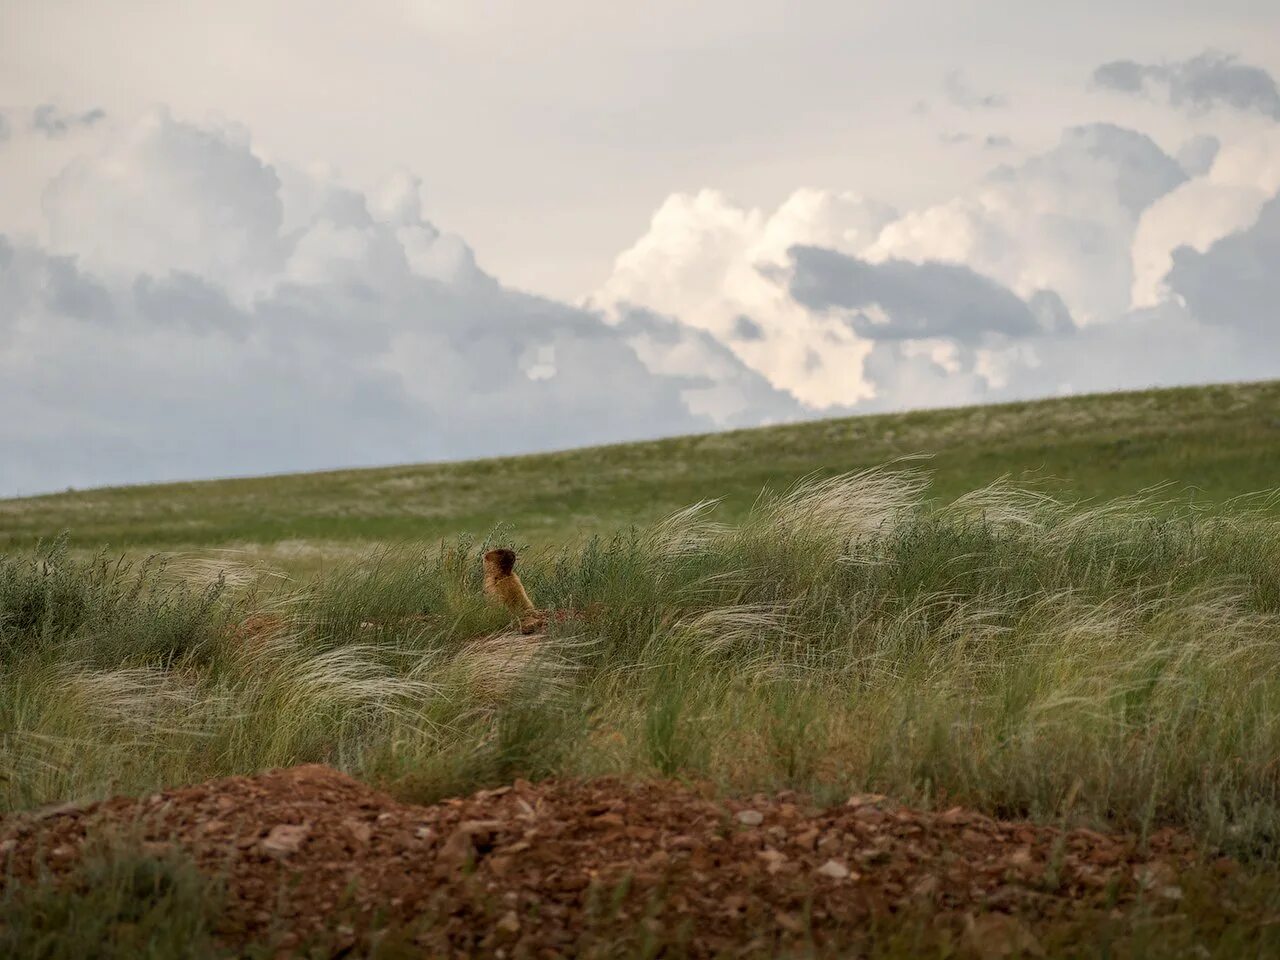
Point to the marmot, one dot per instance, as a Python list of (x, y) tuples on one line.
[(503, 584)]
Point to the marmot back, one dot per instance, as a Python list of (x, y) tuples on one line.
[(503, 584)]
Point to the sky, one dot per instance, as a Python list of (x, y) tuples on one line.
[(263, 237)]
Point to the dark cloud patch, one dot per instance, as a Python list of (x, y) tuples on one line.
[(900, 300), (68, 291), (5, 128), (183, 300), (1236, 283), (997, 141), (165, 378), (1198, 84), (954, 139), (711, 378), (1125, 76), (1143, 172), (960, 94), (744, 328), (53, 122), (1196, 156)]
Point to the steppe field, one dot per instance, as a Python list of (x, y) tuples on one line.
[(992, 682)]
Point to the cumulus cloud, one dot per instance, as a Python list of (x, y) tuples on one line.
[(712, 263), (196, 310), (1062, 220), (1196, 156), (201, 312), (1089, 266), (161, 195), (1235, 283), (1197, 84), (49, 120), (1223, 200), (900, 300)]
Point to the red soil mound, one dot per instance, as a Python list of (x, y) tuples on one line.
[(539, 870)]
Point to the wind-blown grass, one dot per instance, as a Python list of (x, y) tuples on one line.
[(1116, 664)]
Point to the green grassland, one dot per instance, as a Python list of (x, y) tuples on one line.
[(912, 629), (1209, 443)]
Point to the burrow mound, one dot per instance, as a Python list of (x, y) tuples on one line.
[(539, 869)]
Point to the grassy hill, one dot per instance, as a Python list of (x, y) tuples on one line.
[(1115, 668), (1211, 443)]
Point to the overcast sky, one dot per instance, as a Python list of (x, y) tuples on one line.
[(246, 237)]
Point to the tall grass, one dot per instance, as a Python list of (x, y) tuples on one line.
[(1119, 664)]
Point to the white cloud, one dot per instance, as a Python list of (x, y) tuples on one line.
[(1226, 199), (1061, 221), (160, 195), (718, 267), (201, 312), (1047, 276), (188, 308)]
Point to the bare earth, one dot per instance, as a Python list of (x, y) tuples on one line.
[(311, 856)]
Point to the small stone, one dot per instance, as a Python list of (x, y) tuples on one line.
[(285, 838), (750, 818), (657, 860), (360, 831), (994, 936), (773, 860), (789, 922), (807, 839), (510, 922), (866, 800), (1021, 857), (458, 848), (834, 869)]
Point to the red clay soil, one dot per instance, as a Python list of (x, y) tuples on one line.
[(310, 855)]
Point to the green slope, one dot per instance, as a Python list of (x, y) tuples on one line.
[(1211, 443)]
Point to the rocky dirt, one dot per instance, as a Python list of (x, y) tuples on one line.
[(551, 869)]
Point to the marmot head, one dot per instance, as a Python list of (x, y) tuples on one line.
[(500, 562)]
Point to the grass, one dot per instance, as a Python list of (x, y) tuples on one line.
[(121, 902), (1003, 651), (1001, 645), (1214, 443)]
